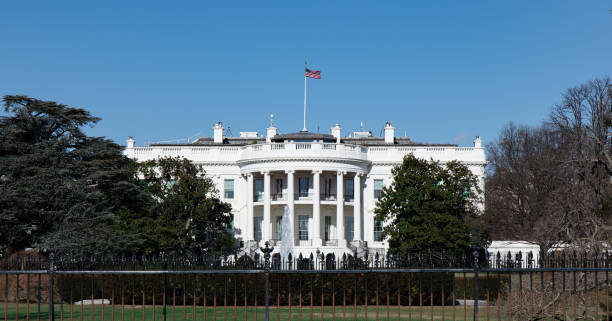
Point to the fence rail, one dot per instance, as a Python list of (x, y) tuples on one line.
[(557, 287)]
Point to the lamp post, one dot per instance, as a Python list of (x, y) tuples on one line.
[(266, 251)]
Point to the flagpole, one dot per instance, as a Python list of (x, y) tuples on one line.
[(304, 129)]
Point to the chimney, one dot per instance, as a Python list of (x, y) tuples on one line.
[(389, 133), (130, 142), (271, 131), (477, 142), (335, 131), (218, 133)]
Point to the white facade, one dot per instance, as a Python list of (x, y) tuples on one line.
[(259, 176)]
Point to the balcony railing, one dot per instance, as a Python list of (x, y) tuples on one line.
[(330, 242), (303, 196), (277, 197), (349, 197), (328, 196), (299, 242)]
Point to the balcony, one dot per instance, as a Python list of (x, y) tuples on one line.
[(310, 149)]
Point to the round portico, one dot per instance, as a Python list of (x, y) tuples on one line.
[(317, 179)]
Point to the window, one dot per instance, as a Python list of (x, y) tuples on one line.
[(327, 228), (378, 187), (349, 228), (349, 189), (258, 190), (303, 227), (228, 188), (378, 227), (279, 187), (327, 189), (258, 220), (279, 227), (303, 188)]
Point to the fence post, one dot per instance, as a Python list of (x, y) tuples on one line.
[(476, 267), (51, 272), (266, 251), (165, 287)]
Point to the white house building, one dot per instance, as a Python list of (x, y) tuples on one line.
[(329, 183)]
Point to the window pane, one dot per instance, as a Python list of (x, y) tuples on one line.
[(349, 189), (327, 228), (303, 227), (303, 191), (349, 228), (279, 227), (257, 227), (258, 192), (228, 187), (378, 227), (378, 186)]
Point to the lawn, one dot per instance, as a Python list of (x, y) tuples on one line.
[(179, 313)]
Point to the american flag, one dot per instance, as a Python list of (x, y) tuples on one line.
[(316, 74)]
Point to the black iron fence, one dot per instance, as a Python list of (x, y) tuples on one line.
[(556, 286)]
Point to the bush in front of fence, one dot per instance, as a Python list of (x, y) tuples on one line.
[(283, 288)]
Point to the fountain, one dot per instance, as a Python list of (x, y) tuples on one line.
[(286, 238)]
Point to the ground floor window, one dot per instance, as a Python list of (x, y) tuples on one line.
[(257, 228), (303, 227), (328, 224), (378, 229), (349, 226), (279, 227)]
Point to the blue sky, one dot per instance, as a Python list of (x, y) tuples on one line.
[(442, 71)]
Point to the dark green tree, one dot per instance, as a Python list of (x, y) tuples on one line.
[(430, 206), (59, 188), (187, 217)]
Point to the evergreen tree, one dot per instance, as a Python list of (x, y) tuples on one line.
[(187, 216), (430, 206), (59, 188)]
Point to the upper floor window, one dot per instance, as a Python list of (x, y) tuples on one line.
[(258, 190), (378, 187), (327, 189), (228, 188), (303, 187), (349, 189)]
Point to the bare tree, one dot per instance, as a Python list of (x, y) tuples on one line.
[(584, 118), (551, 184)]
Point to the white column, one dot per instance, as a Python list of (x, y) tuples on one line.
[(291, 201), (316, 209), (340, 209), (368, 218), (357, 207), (267, 226), (250, 227)]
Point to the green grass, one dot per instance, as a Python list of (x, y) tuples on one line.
[(179, 313)]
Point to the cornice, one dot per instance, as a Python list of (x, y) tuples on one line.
[(302, 159), (395, 163)]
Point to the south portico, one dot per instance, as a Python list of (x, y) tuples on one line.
[(322, 203)]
